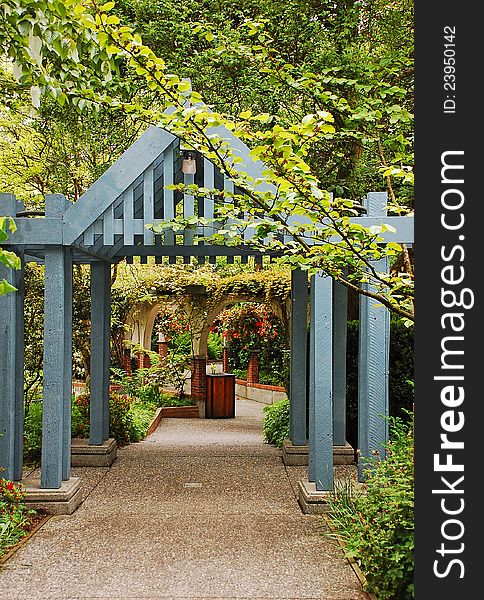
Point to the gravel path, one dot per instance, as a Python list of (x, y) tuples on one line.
[(202, 509)]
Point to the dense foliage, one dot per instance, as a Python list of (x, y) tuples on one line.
[(128, 422), (249, 326), (400, 381), (377, 525), (7, 258), (327, 109)]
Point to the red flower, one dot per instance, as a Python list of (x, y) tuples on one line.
[(10, 486)]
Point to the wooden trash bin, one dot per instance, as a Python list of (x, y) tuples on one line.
[(220, 396)]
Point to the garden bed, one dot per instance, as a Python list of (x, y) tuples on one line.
[(36, 522), (180, 412)]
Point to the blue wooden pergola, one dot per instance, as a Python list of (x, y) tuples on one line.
[(108, 224)]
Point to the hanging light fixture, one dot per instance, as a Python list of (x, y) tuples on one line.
[(189, 165)]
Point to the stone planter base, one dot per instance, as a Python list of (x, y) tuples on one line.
[(62, 501), (296, 456), (311, 501), (84, 455)]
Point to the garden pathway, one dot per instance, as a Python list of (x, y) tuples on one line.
[(202, 509)]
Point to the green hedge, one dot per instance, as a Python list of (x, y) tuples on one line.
[(400, 379)]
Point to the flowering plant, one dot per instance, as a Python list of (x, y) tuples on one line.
[(14, 515), (250, 322), (171, 321)]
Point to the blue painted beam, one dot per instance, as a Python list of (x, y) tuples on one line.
[(135, 160), (106, 349), (56, 405), (373, 371), (373, 362), (67, 430), (19, 283), (54, 364), (299, 357), (322, 376), (98, 359), (11, 363), (311, 387), (340, 317)]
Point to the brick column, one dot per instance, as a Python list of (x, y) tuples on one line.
[(127, 362), (199, 378), (225, 360), (253, 367), (163, 350), (141, 360)]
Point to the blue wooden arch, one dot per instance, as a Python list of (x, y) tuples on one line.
[(106, 225)]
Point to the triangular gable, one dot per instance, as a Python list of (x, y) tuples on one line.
[(92, 222), (111, 185)]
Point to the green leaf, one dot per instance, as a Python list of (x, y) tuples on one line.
[(106, 7), (6, 288)]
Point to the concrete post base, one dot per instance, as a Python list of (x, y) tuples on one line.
[(202, 409), (296, 456), (62, 501), (84, 455), (311, 501)]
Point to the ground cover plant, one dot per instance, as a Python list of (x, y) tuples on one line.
[(377, 525)]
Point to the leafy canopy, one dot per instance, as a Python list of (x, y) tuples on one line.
[(81, 53)]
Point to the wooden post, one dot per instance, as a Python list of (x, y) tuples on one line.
[(106, 348), (11, 362), (373, 362), (298, 383), (321, 386), (99, 387), (340, 311), (67, 429), (54, 365), (56, 434)]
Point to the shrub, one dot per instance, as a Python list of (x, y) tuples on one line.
[(33, 433), (377, 526), (33, 428), (80, 420), (172, 400), (141, 415), (121, 426), (121, 423), (276, 422), (252, 326), (14, 515)]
